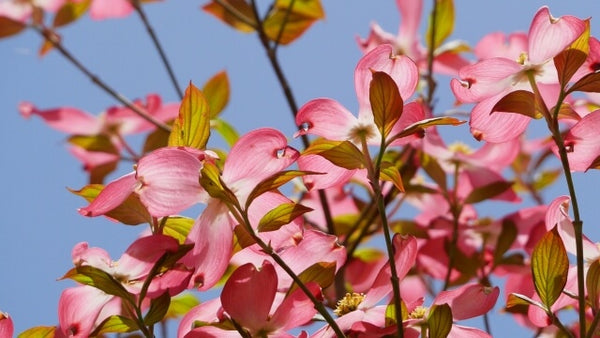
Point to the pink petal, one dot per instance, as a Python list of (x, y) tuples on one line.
[(82, 254), (175, 280), (6, 325), (296, 309), (141, 255), (496, 127), (410, 12), (169, 180), (477, 177), (377, 36), (583, 143), (106, 9), (115, 193), (250, 288), (332, 174), (212, 236), (326, 118), (469, 300), (257, 155), (459, 331), (412, 113), (401, 68), (265, 203), (548, 36), (499, 45), (65, 119), (205, 312), (78, 309), (92, 159), (484, 79)]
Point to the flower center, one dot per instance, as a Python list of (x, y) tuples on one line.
[(418, 313), (349, 303)]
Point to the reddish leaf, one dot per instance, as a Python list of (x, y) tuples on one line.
[(69, 12), (569, 60), (487, 191), (519, 102), (236, 13), (9, 27), (386, 102), (588, 83)]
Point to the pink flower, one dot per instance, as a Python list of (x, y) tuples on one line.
[(487, 81), (79, 310), (583, 144), (21, 10), (6, 325)]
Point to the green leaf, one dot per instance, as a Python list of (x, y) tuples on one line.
[(519, 102), (181, 305), (216, 92), (545, 178), (439, 321), (341, 153), (158, 309), (443, 25), (98, 143), (70, 12), (274, 182), (322, 273), (309, 8), (549, 266), (515, 299), (281, 215), (192, 127), (390, 172), (505, 240), (115, 324), (225, 130), (434, 170), (210, 180), (592, 283), (386, 102), (297, 20), (487, 191), (38, 331), (418, 127), (588, 83), (236, 13), (571, 59), (9, 27), (99, 279), (130, 212), (406, 227), (178, 227)]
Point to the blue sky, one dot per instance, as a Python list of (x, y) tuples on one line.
[(40, 224)]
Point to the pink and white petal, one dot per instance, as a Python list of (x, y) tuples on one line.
[(459, 331), (113, 194), (497, 44), (449, 62), (410, 12), (82, 254), (248, 295), (66, 119), (175, 280), (107, 9), (413, 112), (377, 36), (344, 322), (496, 127), (477, 177), (78, 309), (332, 174), (92, 159), (399, 67), (296, 309), (469, 300), (169, 181), (494, 156), (548, 36), (212, 236), (141, 255), (583, 143), (6, 325), (205, 312), (484, 79), (326, 118), (212, 332), (258, 155)]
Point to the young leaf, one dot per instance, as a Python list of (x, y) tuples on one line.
[(210, 180), (99, 279), (588, 83), (322, 273), (421, 125), (439, 321), (115, 324), (9, 27), (236, 13), (181, 305), (69, 12), (515, 299), (487, 191), (281, 215), (569, 60), (192, 127), (386, 102), (158, 309), (549, 266), (341, 153), (178, 227), (390, 172), (443, 24), (519, 102), (225, 130), (38, 331), (285, 25), (274, 182), (216, 92), (309, 8), (592, 283)]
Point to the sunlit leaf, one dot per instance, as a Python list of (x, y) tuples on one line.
[(226, 130), (309, 8), (158, 309), (274, 182), (99, 279), (545, 178), (295, 26), (390, 172), (588, 83), (181, 305), (592, 283), (439, 321), (178, 227), (192, 126), (426, 123), (515, 299), (569, 60), (549, 266), (487, 191), (386, 102), (281, 215), (70, 11), (519, 102), (341, 153), (210, 180), (216, 92), (322, 273), (38, 332), (115, 324), (9, 27), (100, 143), (443, 25), (236, 13)]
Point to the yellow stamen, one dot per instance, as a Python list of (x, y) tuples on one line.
[(349, 303)]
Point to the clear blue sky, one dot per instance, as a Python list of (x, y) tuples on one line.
[(40, 224)]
